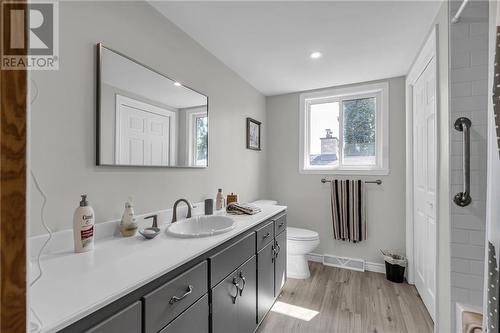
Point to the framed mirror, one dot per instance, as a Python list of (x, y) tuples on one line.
[(145, 118)]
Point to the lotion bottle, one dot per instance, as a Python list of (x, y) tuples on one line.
[(83, 226), (219, 200), (128, 226)]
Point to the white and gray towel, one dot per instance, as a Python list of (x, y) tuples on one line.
[(238, 208)]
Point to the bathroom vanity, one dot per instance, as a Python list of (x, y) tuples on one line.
[(230, 287)]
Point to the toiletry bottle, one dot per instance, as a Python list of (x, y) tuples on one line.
[(83, 226), (128, 226), (219, 200)]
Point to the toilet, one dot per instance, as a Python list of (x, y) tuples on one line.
[(299, 243)]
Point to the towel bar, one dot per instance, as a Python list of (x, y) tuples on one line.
[(378, 181)]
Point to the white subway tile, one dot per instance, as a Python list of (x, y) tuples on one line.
[(476, 208), (479, 42), (461, 89), (460, 31), (469, 103), (469, 281), (468, 222), (460, 294), (461, 60), (460, 236), (476, 297), (467, 251), (479, 58), (469, 74), (477, 237), (460, 265), (476, 267), (478, 28), (480, 88)]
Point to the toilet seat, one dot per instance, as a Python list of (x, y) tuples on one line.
[(301, 234)]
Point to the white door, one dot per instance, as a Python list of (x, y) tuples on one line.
[(424, 184), (144, 133)]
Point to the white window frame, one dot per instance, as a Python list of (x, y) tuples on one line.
[(192, 115), (378, 90)]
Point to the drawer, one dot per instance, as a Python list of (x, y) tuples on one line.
[(227, 260), (279, 225), (162, 305), (127, 320), (194, 319), (265, 235)]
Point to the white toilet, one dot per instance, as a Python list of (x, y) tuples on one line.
[(299, 243)]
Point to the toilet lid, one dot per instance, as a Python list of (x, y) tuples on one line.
[(301, 234)]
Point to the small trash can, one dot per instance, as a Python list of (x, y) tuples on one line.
[(395, 265)]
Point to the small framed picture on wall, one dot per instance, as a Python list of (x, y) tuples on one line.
[(253, 134)]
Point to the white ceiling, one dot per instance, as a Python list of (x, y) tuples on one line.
[(268, 43)]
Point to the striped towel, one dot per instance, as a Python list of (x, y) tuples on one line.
[(242, 209), (348, 210)]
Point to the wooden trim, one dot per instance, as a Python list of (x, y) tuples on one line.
[(13, 108)]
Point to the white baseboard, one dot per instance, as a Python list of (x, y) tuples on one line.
[(369, 266)]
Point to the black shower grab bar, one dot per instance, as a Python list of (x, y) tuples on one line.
[(378, 181), (463, 199)]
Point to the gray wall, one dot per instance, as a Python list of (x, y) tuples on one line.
[(308, 198), (62, 133), (468, 98)]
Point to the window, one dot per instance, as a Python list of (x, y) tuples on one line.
[(345, 130), (197, 127)]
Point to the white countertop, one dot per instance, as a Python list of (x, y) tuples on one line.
[(75, 285)]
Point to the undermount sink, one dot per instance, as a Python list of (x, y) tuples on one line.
[(201, 226)]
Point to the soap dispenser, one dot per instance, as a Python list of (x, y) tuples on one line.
[(128, 226), (83, 226)]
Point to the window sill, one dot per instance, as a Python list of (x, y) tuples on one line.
[(354, 172)]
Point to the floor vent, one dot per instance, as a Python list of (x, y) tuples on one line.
[(343, 262)]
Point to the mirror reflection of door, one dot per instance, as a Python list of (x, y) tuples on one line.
[(147, 119), (145, 134)]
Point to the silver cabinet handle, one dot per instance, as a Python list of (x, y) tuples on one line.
[(175, 299), (266, 235), (235, 283), (463, 199), (244, 283)]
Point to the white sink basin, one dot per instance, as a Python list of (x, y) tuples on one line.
[(201, 226)]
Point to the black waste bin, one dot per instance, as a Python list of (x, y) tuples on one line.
[(394, 266), (394, 272)]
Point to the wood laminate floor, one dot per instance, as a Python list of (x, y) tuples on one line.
[(340, 300)]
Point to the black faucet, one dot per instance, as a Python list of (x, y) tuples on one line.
[(174, 210)]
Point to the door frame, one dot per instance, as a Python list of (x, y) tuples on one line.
[(13, 190), (427, 52)]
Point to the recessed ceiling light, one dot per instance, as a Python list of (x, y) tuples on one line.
[(315, 55), (177, 84)]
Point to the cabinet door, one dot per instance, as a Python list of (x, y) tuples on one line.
[(265, 278), (280, 263), (234, 301), (127, 320), (194, 319)]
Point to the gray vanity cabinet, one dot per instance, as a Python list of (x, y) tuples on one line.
[(265, 279), (228, 289), (127, 320), (280, 262), (234, 302), (193, 320)]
